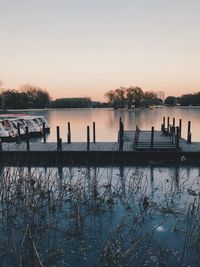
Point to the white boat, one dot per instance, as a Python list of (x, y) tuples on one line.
[(34, 123), (14, 123), (7, 131), (40, 120), (33, 128)]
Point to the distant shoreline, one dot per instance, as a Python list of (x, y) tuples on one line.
[(46, 109)]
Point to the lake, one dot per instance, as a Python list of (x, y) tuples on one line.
[(126, 216), (102, 216), (107, 121)]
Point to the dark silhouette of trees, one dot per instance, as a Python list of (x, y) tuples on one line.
[(36, 96), (132, 96), (184, 100), (28, 97), (138, 96), (150, 98), (170, 101), (81, 102), (117, 97), (190, 99)]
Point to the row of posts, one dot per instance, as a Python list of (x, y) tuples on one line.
[(27, 135), (175, 130), (171, 128), (59, 140)]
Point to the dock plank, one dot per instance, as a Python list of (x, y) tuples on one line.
[(163, 148)]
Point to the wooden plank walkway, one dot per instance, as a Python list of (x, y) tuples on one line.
[(160, 141), (99, 152), (75, 146), (82, 146), (145, 136)]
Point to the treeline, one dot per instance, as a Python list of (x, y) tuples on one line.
[(132, 97), (79, 102), (184, 100), (27, 97)]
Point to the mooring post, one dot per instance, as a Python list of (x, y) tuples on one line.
[(69, 133), (121, 135), (174, 122), (1, 148), (189, 135), (180, 127), (163, 125), (122, 129), (173, 126), (152, 136), (120, 121), (60, 144), (168, 124), (44, 132), (94, 132), (27, 139), (58, 136), (18, 133), (177, 137), (88, 138)]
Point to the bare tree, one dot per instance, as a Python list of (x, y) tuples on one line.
[(37, 97)]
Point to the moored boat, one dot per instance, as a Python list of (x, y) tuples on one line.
[(9, 126), (7, 131)]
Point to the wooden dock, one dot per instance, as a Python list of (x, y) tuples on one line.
[(107, 153)]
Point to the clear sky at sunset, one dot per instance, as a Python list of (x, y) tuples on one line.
[(87, 47)]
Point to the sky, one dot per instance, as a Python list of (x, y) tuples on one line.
[(87, 47)]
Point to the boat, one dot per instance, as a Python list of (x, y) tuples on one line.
[(34, 124), (40, 120), (14, 123), (26, 121), (7, 131)]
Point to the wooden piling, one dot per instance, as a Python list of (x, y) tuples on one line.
[(163, 125), (152, 136), (18, 133), (60, 144), (27, 139), (168, 124), (121, 136), (88, 138), (94, 132), (180, 127), (120, 121), (189, 139), (164, 122), (69, 133), (174, 122), (58, 136), (44, 132), (177, 137), (189, 135)]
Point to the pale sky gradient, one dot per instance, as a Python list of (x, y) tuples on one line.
[(87, 47)]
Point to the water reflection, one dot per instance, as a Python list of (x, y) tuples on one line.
[(107, 121), (72, 215)]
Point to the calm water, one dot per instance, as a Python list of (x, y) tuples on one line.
[(99, 216), (107, 121), (126, 216)]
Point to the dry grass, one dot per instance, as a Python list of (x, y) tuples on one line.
[(98, 217)]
